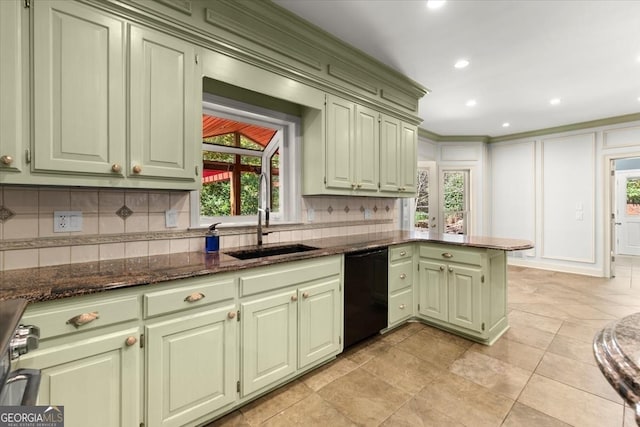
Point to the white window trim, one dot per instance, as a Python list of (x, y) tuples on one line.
[(289, 128)]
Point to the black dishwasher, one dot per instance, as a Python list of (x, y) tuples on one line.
[(365, 294)]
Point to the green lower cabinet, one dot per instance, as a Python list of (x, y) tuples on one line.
[(432, 290), (95, 379), (463, 290), (464, 296), (269, 339), (320, 323), (191, 366)]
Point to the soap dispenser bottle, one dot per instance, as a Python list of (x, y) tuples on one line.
[(212, 239)]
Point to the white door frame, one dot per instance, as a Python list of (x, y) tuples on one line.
[(609, 206)]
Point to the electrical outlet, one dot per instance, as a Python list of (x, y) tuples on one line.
[(67, 221), (367, 214), (171, 218), (311, 214)]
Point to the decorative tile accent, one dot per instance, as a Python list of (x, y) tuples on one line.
[(329, 209), (5, 214), (124, 212), (375, 208), (387, 208), (346, 209), (362, 209)]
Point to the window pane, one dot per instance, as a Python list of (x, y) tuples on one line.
[(633, 196), (454, 202), (422, 199), (249, 193), (215, 200), (228, 140), (251, 160), (220, 157), (251, 145), (275, 181)]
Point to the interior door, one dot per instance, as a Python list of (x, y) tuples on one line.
[(627, 216)]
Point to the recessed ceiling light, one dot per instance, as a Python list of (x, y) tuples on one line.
[(506, 124), (461, 63), (471, 103), (554, 101), (435, 4)]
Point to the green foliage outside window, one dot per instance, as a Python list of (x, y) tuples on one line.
[(453, 191), (633, 191)]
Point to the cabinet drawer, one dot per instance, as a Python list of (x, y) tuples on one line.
[(288, 274), (187, 294), (449, 254), (58, 318), (400, 252), (400, 275), (400, 306)]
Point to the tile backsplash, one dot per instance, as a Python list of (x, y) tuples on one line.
[(120, 223)]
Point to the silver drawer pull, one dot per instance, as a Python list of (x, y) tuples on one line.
[(401, 307), (447, 255), (403, 276), (83, 319), (196, 296), (403, 253)]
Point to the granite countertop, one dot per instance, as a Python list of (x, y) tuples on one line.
[(617, 351), (49, 283)]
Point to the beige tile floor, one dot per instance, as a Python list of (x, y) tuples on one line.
[(540, 373)]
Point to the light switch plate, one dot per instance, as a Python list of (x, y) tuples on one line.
[(171, 218), (311, 214), (67, 221), (367, 214)]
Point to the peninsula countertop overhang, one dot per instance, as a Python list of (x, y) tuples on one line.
[(50, 283)]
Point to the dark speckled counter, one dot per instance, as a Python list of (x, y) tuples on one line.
[(617, 351), (49, 283)]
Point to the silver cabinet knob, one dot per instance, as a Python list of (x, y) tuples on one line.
[(130, 341), (450, 269), (305, 295), (136, 169), (231, 315), (401, 307), (403, 253), (6, 160), (116, 168), (442, 268), (403, 276), (294, 297)]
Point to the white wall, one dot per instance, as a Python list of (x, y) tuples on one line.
[(553, 190)]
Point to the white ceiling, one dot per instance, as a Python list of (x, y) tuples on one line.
[(522, 54)]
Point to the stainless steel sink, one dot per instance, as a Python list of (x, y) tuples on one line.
[(270, 251)]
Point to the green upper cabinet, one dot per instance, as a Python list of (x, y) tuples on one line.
[(366, 153), (340, 142), (79, 89), (165, 119), (399, 156), (11, 87), (352, 146)]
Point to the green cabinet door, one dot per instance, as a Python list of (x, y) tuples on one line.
[(408, 159), (432, 290), (191, 366), (465, 296), (79, 89), (97, 379), (269, 339), (367, 149), (390, 143), (12, 79), (166, 127), (320, 321), (340, 135)]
